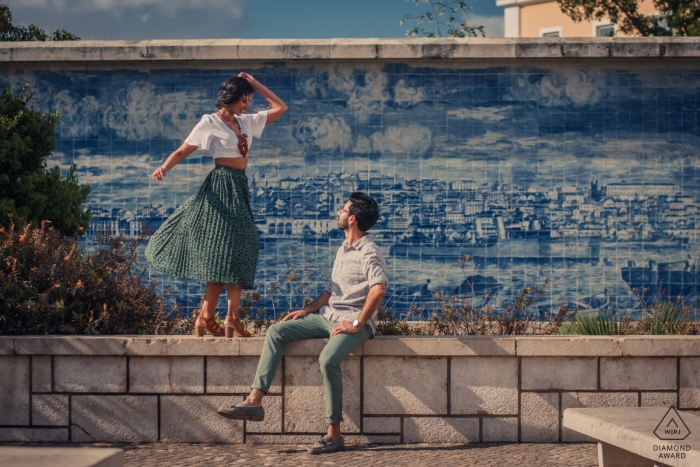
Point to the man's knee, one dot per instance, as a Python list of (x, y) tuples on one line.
[(328, 360), (273, 332)]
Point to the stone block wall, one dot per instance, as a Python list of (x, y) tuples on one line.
[(396, 390)]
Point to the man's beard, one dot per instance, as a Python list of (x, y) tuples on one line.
[(341, 226)]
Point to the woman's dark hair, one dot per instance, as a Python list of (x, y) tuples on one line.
[(232, 90), (365, 210)]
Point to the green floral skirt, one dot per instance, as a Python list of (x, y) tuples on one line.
[(212, 236)]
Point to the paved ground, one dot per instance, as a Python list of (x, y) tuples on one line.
[(483, 455)]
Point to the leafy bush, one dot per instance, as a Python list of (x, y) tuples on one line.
[(48, 286)]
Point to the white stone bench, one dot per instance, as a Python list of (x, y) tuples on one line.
[(25, 456), (626, 436)]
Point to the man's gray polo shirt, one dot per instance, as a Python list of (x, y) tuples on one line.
[(355, 270)]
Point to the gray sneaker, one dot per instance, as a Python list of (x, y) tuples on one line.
[(243, 412), (326, 445)]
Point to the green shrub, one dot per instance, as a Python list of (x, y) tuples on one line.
[(49, 286)]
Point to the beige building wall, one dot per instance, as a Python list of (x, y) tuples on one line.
[(536, 18), (549, 16)]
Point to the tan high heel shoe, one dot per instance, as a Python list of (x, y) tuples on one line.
[(234, 326), (208, 324)]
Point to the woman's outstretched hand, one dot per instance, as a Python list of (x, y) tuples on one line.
[(158, 174)]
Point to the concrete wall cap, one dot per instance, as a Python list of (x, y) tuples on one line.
[(7, 346), (440, 346), (568, 346), (71, 345), (660, 346), (182, 346), (524, 346), (349, 49)]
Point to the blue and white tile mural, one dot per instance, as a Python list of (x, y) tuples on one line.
[(585, 174)]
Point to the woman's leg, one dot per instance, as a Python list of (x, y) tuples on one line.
[(233, 294), (206, 319), (211, 296), (233, 318)]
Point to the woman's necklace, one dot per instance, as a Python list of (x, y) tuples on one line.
[(242, 138)]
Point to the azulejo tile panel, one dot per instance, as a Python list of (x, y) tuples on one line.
[(585, 173)]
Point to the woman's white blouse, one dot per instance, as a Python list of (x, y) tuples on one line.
[(212, 134)]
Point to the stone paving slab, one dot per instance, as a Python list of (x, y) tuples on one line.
[(482, 455), (31, 456)]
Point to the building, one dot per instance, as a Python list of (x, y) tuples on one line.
[(633, 191), (544, 18)]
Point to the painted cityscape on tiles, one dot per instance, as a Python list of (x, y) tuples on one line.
[(587, 175)]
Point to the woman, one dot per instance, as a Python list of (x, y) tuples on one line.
[(212, 236)]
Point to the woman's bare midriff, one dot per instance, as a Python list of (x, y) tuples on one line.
[(239, 163)]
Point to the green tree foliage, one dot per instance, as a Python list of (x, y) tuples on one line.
[(11, 33), (434, 16), (28, 192), (674, 17)]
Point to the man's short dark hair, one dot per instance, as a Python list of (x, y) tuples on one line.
[(365, 210)]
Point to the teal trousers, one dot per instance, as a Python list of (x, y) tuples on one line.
[(311, 326)]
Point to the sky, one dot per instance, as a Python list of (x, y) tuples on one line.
[(225, 19)]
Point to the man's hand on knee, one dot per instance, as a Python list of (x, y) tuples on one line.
[(295, 315), (344, 327)]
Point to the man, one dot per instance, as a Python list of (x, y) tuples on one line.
[(345, 312)]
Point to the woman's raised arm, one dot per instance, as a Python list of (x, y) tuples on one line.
[(277, 104)]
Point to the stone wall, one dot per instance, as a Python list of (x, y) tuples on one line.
[(396, 390)]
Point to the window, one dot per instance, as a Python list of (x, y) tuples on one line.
[(604, 28), (555, 31), (605, 31)]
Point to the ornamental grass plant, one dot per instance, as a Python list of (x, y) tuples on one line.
[(594, 324), (660, 316)]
